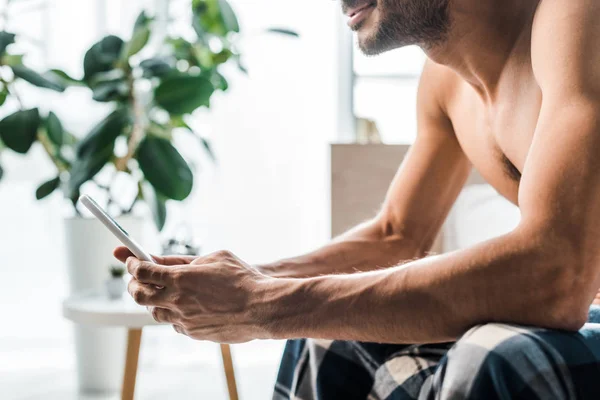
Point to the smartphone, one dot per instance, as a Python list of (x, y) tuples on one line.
[(115, 228)]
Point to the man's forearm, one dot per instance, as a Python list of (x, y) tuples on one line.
[(365, 248), (434, 299)]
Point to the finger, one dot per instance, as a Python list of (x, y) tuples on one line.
[(179, 329), (146, 295), (122, 253), (164, 315), (147, 272), (174, 260)]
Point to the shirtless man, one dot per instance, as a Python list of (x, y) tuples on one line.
[(511, 87)]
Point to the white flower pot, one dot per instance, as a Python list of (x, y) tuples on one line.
[(115, 288), (100, 351)]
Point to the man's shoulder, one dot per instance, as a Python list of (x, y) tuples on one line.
[(438, 87), (565, 43), (569, 16)]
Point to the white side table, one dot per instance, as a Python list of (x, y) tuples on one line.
[(97, 309)]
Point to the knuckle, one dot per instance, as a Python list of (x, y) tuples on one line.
[(175, 278), (132, 286), (165, 275), (138, 296), (144, 270), (224, 254)]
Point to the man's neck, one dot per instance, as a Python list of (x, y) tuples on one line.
[(482, 38)]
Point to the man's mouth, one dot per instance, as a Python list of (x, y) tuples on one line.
[(359, 13)]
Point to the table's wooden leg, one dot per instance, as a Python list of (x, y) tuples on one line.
[(134, 338), (229, 372)]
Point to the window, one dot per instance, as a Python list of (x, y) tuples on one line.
[(385, 91)]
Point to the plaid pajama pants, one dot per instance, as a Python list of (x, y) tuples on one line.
[(493, 361)]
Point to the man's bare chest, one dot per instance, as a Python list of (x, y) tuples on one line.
[(496, 138)]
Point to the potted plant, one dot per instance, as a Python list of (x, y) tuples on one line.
[(152, 90), (115, 285)]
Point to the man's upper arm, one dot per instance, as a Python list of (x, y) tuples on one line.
[(559, 194), (433, 172)]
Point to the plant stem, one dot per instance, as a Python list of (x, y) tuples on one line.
[(49, 148), (137, 131)]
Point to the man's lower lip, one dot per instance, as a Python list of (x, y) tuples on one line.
[(361, 15)]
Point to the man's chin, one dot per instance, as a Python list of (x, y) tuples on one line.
[(372, 43), (366, 34), (367, 44)]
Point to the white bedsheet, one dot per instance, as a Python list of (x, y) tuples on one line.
[(479, 214)]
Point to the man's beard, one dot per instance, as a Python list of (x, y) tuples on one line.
[(406, 22)]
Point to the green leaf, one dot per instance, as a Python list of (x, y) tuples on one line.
[(112, 75), (66, 78), (158, 207), (159, 211), (36, 79), (18, 131), (156, 67), (6, 39), (84, 169), (215, 17), (182, 49), (283, 31), (200, 32), (164, 168), (199, 11), (102, 56), (220, 82), (55, 129), (182, 94), (3, 95), (230, 20), (47, 188), (139, 36), (104, 134), (142, 21), (208, 148), (157, 204), (138, 41), (222, 57), (110, 91)]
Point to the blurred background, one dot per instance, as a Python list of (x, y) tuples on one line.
[(239, 100)]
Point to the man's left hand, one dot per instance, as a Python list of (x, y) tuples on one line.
[(213, 298)]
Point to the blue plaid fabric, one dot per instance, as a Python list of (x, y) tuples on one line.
[(493, 361)]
